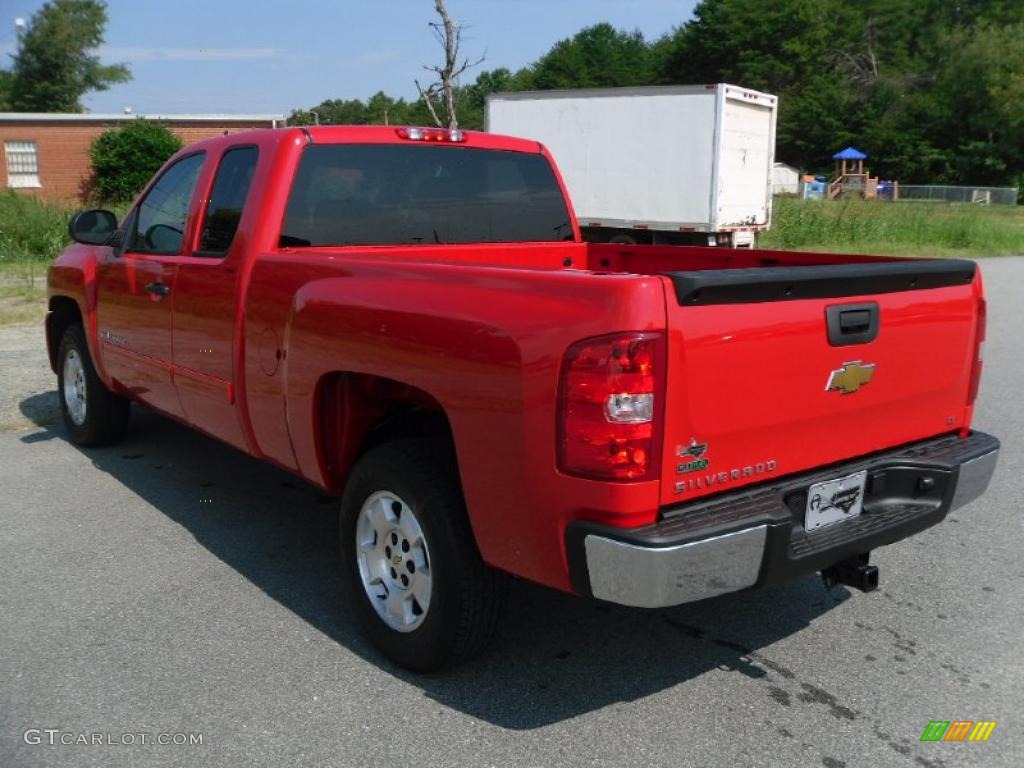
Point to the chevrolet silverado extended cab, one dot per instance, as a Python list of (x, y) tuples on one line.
[(408, 318)]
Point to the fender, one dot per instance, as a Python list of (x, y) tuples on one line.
[(484, 344), (75, 275), (383, 329)]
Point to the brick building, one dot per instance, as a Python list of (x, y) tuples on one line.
[(47, 154)]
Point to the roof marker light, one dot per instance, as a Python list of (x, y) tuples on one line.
[(431, 134)]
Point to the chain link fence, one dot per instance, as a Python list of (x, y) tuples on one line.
[(947, 194)]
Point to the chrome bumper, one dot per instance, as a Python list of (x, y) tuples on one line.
[(651, 578), (646, 568), (975, 475)]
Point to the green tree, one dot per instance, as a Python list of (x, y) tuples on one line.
[(54, 66), (780, 47), (5, 90), (472, 99), (927, 87), (983, 78), (596, 56), (124, 159), (331, 112), (379, 109)]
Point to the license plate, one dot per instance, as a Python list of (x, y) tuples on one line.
[(834, 500)]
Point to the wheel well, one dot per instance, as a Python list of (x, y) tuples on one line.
[(357, 412), (64, 312)]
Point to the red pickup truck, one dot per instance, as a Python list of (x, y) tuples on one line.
[(408, 318)]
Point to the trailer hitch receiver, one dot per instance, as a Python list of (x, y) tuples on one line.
[(852, 572)]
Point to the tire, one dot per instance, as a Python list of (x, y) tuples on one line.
[(430, 556), (93, 415)]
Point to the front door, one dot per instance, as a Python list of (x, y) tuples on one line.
[(135, 283)]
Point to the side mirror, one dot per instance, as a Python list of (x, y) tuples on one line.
[(93, 227)]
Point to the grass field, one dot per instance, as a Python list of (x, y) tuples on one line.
[(897, 229), (31, 236)]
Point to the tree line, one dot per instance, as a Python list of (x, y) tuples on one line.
[(932, 90)]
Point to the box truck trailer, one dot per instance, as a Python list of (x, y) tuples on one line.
[(687, 164)]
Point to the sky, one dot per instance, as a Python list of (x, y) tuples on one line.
[(272, 56)]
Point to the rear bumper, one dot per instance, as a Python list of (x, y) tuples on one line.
[(756, 536)]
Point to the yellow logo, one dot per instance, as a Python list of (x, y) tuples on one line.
[(396, 560), (851, 377)]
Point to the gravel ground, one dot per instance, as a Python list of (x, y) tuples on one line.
[(27, 385), (171, 584)]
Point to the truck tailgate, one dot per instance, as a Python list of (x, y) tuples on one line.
[(777, 370)]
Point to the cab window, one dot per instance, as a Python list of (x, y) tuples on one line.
[(227, 199), (160, 220)]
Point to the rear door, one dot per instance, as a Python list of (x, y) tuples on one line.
[(746, 152), (205, 300), (135, 283), (757, 389)]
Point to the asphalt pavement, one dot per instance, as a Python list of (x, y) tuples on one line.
[(170, 585)]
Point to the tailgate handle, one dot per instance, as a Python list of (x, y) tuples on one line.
[(851, 323), (854, 320)]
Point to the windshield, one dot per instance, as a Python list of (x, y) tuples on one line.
[(387, 194)]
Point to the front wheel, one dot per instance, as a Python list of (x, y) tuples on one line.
[(423, 594), (92, 413)]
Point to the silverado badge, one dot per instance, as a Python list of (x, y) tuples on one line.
[(851, 377)]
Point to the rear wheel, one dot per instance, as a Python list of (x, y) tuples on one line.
[(422, 592), (93, 415)]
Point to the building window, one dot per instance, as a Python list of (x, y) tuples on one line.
[(22, 164)]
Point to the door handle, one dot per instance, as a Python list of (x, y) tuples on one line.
[(158, 290)]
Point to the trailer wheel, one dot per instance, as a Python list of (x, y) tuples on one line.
[(422, 592)]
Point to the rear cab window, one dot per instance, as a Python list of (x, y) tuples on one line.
[(227, 200), (384, 194)]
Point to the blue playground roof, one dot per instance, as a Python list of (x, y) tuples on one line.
[(850, 153)]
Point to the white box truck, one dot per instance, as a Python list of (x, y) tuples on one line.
[(687, 164)]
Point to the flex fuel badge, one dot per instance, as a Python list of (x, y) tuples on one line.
[(693, 457)]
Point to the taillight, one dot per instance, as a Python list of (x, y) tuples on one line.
[(979, 346), (431, 134), (610, 407)]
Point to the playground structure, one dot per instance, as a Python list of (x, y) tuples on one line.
[(851, 177)]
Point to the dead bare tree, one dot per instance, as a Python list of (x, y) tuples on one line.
[(449, 35)]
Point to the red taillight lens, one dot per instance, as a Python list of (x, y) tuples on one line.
[(979, 346), (610, 407)]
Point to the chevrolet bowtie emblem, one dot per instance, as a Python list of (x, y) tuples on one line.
[(851, 377)]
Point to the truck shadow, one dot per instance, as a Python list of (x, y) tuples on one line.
[(556, 656)]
